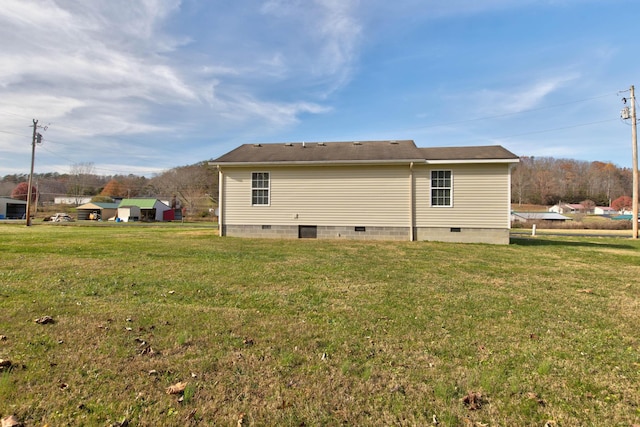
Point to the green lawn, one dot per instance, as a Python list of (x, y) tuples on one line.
[(312, 332)]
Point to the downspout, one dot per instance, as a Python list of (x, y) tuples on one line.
[(220, 202), (412, 219), (511, 167)]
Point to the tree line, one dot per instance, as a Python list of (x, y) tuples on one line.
[(548, 181), (535, 180), (195, 186)]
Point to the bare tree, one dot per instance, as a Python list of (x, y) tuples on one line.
[(80, 175), (195, 186)]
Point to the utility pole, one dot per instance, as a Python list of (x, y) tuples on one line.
[(634, 141), (36, 135)]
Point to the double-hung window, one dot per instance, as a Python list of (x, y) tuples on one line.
[(441, 188), (260, 188)]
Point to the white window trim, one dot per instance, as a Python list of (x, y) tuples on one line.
[(268, 190), (431, 188)]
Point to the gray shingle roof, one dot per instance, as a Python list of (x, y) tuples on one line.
[(487, 152), (354, 151)]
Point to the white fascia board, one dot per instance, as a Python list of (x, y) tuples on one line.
[(471, 161)]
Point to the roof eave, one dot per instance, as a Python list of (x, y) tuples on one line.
[(470, 161), (319, 163)]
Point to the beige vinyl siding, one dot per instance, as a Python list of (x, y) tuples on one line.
[(316, 195), (480, 197)]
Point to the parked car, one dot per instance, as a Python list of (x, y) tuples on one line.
[(61, 217)]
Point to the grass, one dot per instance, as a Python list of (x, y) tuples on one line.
[(311, 332)]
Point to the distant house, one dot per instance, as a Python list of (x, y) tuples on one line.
[(568, 208), (604, 210), (385, 190), (537, 216), (104, 210), (141, 210), (13, 208), (71, 200)]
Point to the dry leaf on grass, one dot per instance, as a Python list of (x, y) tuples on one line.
[(177, 388), (190, 415), (585, 291), (146, 350), (242, 421), (473, 400), (44, 320), (11, 421), (533, 396)]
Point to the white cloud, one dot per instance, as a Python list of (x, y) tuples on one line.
[(331, 36), (101, 69), (517, 99)]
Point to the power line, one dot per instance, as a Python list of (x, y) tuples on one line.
[(556, 129), (497, 116), (111, 171), (15, 133)]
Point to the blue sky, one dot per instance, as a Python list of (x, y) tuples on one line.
[(142, 86)]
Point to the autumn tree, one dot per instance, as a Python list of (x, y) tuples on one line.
[(21, 192), (114, 188), (622, 203)]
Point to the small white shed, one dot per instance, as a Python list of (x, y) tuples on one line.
[(128, 213)]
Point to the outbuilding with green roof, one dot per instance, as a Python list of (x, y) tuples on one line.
[(147, 210)]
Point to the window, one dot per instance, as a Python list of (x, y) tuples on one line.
[(259, 188), (441, 188)]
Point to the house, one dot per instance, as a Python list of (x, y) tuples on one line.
[(13, 208), (568, 208), (141, 210), (71, 200), (604, 210), (97, 210), (537, 216), (387, 190)]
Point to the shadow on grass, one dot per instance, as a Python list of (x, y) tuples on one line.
[(541, 241)]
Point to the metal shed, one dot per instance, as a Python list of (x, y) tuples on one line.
[(12, 208), (148, 209), (89, 210)]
